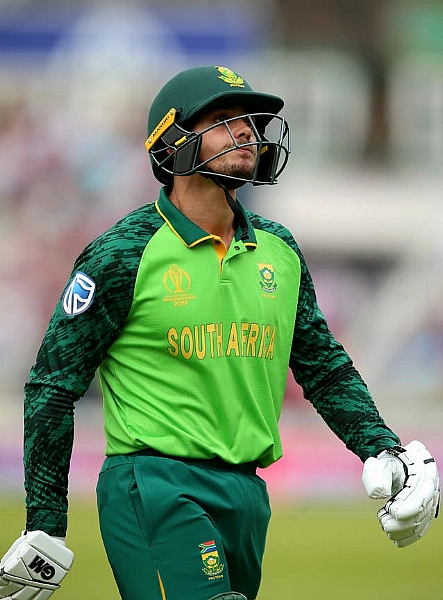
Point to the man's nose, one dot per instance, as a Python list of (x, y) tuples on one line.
[(242, 128)]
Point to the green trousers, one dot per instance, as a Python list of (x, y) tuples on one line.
[(182, 530)]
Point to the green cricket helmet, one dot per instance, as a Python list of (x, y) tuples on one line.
[(173, 146)]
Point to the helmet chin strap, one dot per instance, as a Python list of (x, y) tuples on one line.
[(239, 217), (226, 185)]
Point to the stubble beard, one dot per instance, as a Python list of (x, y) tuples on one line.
[(225, 165)]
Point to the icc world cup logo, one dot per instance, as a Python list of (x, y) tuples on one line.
[(176, 280)]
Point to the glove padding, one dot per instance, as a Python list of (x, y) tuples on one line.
[(409, 477), (34, 566)]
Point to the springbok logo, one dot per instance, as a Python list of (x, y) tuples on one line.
[(267, 278), (230, 77), (212, 566), (79, 294)]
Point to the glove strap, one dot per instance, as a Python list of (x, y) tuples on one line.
[(396, 450)]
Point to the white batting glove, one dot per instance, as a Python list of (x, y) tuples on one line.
[(34, 566), (409, 478)]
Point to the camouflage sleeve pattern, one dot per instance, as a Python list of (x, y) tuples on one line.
[(327, 375), (331, 382), (71, 351)]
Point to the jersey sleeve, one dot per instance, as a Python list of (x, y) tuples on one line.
[(81, 329), (330, 381)]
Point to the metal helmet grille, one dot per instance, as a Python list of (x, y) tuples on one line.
[(177, 153)]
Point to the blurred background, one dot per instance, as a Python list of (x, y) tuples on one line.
[(362, 194)]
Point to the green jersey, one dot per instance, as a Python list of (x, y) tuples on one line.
[(192, 342)]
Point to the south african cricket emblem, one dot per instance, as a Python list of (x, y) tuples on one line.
[(212, 567), (267, 278), (230, 77)]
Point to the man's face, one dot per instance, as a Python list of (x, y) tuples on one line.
[(239, 162)]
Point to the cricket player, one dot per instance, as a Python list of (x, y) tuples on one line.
[(192, 308)]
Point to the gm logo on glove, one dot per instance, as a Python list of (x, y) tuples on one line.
[(40, 566)]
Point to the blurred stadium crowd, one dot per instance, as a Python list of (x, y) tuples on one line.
[(363, 194)]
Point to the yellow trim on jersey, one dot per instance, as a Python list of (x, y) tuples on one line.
[(194, 243)]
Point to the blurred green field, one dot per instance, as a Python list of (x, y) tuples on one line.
[(314, 553)]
